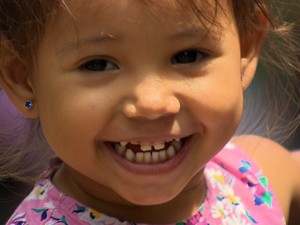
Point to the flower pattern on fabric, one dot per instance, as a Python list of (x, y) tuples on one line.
[(39, 192), (237, 193), (259, 182), (227, 206), (18, 219)]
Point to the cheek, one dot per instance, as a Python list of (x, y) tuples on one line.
[(218, 103), (73, 120)]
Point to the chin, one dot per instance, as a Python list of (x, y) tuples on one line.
[(150, 199)]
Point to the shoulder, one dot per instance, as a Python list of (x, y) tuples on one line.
[(278, 164), (35, 208), (268, 154), (47, 205)]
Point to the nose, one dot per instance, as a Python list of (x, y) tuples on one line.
[(152, 99)]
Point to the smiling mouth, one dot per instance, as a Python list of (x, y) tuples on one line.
[(148, 153)]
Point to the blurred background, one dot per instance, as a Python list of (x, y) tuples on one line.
[(294, 16), (256, 113)]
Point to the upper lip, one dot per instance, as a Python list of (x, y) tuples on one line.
[(154, 139)]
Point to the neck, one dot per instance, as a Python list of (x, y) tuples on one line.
[(180, 208)]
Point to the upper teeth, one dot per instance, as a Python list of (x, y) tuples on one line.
[(146, 154), (148, 146), (123, 144)]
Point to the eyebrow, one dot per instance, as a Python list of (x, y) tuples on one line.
[(80, 42), (185, 33), (198, 32)]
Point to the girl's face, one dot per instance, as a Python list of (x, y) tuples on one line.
[(135, 100)]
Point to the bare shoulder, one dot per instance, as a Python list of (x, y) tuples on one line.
[(280, 166), (296, 155)]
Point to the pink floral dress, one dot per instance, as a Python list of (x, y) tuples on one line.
[(238, 193)]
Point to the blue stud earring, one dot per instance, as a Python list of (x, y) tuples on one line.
[(29, 104)]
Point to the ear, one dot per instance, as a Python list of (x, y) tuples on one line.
[(250, 52), (251, 44), (16, 82)]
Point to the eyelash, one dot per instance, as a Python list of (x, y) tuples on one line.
[(183, 57), (189, 56), (98, 65)]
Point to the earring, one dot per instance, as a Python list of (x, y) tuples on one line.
[(29, 104)]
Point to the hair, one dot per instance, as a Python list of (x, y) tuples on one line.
[(23, 22)]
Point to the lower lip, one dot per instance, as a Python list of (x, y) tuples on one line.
[(152, 169)]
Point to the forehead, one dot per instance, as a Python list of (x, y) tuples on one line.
[(172, 6), (196, 12), (106, 19)]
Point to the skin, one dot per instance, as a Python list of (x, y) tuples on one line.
[(142, 96)]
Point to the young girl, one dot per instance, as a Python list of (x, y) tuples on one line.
[(139, 101)]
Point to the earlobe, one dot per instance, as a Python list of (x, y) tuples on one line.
[(15, 81), (248, 68)]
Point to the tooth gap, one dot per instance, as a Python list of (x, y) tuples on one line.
[(142, 154)]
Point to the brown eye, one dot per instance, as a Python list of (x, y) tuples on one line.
[(98, 65), (188, 56)]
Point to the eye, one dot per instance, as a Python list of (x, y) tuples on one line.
[(188, 57), (98, 65)]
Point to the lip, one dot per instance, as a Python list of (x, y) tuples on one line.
[(151, 169), (154, 139)]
